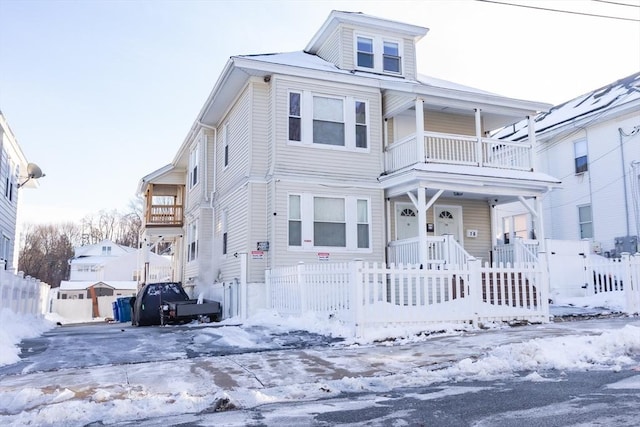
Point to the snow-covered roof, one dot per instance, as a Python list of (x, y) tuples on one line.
[(128, 285), (590, 106)]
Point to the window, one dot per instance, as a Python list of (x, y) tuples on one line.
[(193, 166), (106, 250), (295, 120), (586, 222), (295, 221), (378, 54), (324, 120), (192, 241), (365, 52), (391, 57), (363, 224), (329, 226), (225, 143), (316, 221), (580, 151), (10, 178), (224, 233), (361, 124), (328, 121)]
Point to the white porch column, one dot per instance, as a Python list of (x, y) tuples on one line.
[(539, 227), (532, 141), (479, 137), (422, 224), (494, 224), (419, 105)]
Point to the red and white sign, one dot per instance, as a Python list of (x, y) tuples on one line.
[(257, 255), (323, 256)]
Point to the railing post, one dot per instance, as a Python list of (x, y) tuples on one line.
[(357, 304), (302, 285), (545, 284), (531, 127), (479, 155), (267, 289), (244, 298), (627, 283), (474, 289), (419, 105)]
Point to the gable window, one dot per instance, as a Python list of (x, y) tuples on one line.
[(585, 220), (192, 241), (295, 221), (106, 250), (328, 121), (295, 117), (365, 52), (580, 155), (317, 221), (193, 167), (391, 57)]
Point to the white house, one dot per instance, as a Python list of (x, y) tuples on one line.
[(337, 152), (13, 177), (592, 143)]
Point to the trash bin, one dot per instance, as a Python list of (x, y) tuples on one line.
[(116, 314), (124, 309)]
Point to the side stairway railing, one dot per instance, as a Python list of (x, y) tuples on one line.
[(442, 252)]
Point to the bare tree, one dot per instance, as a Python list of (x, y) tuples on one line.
[(45, 254)]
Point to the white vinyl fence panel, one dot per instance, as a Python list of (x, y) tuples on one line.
[(373, 295), (22, 295)]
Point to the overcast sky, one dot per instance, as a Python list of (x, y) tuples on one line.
[(101, 93)]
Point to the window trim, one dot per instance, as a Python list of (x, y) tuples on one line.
[(194, 160), (192, 241), (378, 53), (307, 219), (580, 222), (583, 168), (225, 145), (349, 121)]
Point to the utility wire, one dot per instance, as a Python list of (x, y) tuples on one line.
[(617, 3), (560, 10)]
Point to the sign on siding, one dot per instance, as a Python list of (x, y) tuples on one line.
[(257, 255), (323, 256)]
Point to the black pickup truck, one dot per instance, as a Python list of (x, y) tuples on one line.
[(167, 302)]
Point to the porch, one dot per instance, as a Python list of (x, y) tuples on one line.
[(433, 147)]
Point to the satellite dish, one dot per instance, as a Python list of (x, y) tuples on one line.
[(34, 171)]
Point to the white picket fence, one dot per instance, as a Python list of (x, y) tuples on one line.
[(370, 295), (616, 275), (22, 295)]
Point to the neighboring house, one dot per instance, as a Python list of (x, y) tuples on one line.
[(13, 177), (592, 143), (107, 261), (101, 273), (342, 151)]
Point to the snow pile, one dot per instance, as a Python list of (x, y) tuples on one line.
[(16, 327)]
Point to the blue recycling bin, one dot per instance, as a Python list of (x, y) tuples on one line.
[(124, 309), (116, 314)]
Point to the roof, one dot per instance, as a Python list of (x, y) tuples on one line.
[(590, 106), (129, 285)]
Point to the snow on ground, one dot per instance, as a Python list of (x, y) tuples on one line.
[(98, 394)]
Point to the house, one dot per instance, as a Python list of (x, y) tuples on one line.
[(101, 273), (592, 143), (14, 176), (338, 152)]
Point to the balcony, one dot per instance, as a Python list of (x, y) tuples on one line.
[(164, 205), (452, 149)]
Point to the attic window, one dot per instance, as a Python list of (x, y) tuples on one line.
[(106, 250), (580, 151), (391, 57), (365, 52)]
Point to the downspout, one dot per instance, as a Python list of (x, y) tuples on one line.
[(624, 179)]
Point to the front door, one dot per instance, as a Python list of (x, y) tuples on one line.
[(448, 220), (406, 221)]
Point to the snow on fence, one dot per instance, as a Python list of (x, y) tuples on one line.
[(22, 295), (373, 294), (616, 275)]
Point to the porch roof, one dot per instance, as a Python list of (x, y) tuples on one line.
[(468, 179)]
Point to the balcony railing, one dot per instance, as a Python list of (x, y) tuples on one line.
[(458, 150), (164, 215)]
